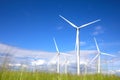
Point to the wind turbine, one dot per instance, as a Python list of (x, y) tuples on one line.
[(90, 62), (65, 64), (98, 56), (77, 39), (58, 56)]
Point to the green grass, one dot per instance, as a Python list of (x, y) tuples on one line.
[(23, 75)]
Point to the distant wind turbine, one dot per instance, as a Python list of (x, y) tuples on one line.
[(88, 63), (77, 39), (65, 64), (58, 56), (98, 56)]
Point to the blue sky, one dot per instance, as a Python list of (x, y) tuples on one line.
[(31, 24)]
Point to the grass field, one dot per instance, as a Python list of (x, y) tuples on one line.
[(23, 75)]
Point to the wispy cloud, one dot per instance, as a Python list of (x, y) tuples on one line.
[(18, 52), (43, 57), (82, 43), (84, 52), (59, 28), (98, 30), (119, 52), (38, 62)]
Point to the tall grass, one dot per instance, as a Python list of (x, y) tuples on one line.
[(24, 75)]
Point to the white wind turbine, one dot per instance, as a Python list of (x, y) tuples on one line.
[(98, 56), (90, 62), (77, 39), (65, 64), (58, 56)]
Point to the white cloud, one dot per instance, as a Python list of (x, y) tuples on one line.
[(118, 70), (84, 52), (38, 62), (17, 65), (98, 30), (44, 57), (18, 52)]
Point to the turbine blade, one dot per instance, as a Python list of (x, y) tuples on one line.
[(56, 45), (68, 21), (108, 54), (96, 45), (94, 58), (89, 23)]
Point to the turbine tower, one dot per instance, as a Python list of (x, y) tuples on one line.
[(58, 56), (77, 39), (65, 64), (98, 56)]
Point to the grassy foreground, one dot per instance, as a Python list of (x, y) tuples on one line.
[(18, 75)]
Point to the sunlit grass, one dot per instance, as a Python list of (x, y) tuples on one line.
[(24, 75)]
